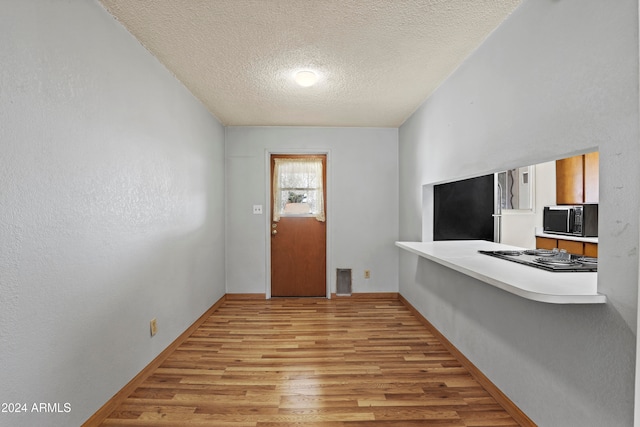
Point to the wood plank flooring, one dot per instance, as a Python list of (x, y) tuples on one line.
[(311, 362)]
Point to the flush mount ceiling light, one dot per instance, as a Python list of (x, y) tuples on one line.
[(306, 78)]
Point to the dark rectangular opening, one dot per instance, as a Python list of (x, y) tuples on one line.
[(463, 209)]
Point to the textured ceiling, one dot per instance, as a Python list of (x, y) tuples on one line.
[(378, 59)]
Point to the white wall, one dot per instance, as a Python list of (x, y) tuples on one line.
[(111, 208), (362, 202), (519, 226), (545, 189), (557, 78)]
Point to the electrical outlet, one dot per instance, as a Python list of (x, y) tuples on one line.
[(153, 326), (257, 209), (367, 274)]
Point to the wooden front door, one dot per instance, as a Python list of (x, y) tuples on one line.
[(298, 241)]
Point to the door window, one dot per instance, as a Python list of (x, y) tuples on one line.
[(298, 188)]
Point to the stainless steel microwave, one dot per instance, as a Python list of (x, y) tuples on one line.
[(571, 220)]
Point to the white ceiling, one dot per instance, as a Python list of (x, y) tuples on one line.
[(378, 59)]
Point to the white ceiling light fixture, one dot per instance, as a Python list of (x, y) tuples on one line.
[(306, 78)]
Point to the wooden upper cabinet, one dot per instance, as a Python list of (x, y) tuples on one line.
[(591, 177), (570, 180), (577, 179)]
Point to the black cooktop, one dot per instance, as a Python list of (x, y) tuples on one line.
[(550, 260)]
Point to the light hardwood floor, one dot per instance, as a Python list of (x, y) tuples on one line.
[(311, 362)]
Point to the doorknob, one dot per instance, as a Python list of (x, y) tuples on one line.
[(274, 232)]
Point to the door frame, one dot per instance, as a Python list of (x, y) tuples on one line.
[(267, 222)]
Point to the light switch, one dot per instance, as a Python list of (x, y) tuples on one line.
[(257, 209)]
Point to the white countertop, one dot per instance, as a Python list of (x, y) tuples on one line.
[(525, 281), (540, 233)]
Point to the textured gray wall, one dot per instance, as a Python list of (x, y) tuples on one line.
[(111, 208), (555, 79), (362, 205)]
